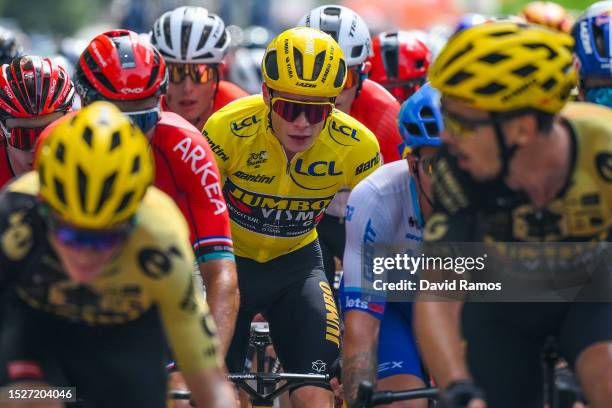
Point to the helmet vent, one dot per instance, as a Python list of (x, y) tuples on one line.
[(502, 33), (331, 11), (356, 51), (490, 89), (106, 190), (6, 100), (432, 129), (185, 34), (549, 84), (222, 40), (167, 32), (413, 129), (58, 88), (82, 177), (87, 134), (41, 175), (318, 65), (116, 140), (135, 165), (458, 78), (59, 190), (459, 54), (299, 63), (525, 70), (391, 60), (426, 112), (271, 65), (59, 152), (153, 76), (341, 74), (17, 92), (493, 58), (125, 50), (127, 197)]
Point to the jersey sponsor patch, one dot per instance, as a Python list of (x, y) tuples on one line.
[(17, 239), (155, 263), (273, 215), (257, 159), (255, 178), (244, 127), (216, 149), (436, 228), (365, 166), (342, 134)]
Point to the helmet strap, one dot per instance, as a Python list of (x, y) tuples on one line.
[(505, 152), (417, 176), (364, 72)]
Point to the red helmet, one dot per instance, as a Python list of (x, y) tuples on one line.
[(400, 63), (29, 87), (34, 86), (118, 65)]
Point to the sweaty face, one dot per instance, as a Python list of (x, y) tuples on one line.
[(345, 100), (193, 101), (297, 135), (475, 147)]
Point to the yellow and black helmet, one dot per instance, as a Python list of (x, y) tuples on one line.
[(507, 66), (94, 167), (304, 61)]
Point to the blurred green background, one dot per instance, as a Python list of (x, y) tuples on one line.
[(66, 17)]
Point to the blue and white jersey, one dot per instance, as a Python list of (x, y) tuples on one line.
[(382, 209)]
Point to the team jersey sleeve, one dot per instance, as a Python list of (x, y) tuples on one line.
[(364, 159), (187, 322), (365, 226), (201, 200), (20, 228)]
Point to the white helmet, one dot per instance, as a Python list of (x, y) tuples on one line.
[(346, 27), (190, 35), (245, 69)]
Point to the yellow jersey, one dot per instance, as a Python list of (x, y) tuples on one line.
[(153, 268), (275, 203)]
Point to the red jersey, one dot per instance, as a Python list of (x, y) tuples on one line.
[(376, 108), (226, 93), (186, 170), (6, 173)]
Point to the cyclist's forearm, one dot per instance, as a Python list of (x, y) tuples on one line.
[(359, 360), (222, 297), (438, 334)]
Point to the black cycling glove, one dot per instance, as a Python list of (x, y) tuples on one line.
[(459, 394)]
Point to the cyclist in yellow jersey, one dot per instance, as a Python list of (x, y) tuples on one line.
[(92, 257), (284, 155), (519, 168)]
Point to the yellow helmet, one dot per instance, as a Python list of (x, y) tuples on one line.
[(506, 66), (94, 167), (548, 14), (304, 61)]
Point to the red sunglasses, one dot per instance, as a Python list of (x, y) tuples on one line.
[(289, 110)]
